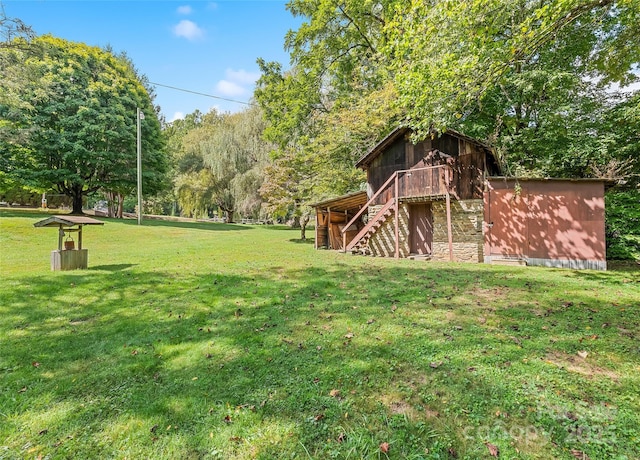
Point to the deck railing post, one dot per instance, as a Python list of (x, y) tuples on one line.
[(448, 201), (397, 230)]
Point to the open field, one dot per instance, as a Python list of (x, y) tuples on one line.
[(198, 340)]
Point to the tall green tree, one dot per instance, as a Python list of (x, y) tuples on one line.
[(334, 103), (219, 163), (532, 78), (82, 133)]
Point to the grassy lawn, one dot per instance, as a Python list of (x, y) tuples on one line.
[(195, 340)]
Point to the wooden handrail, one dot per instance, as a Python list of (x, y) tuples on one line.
[(382, 188), (394, 199), (370, 224), (366, 206)]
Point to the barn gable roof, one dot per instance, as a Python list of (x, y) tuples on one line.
[(397, 133)]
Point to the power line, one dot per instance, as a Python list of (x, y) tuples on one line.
[(201, 94)]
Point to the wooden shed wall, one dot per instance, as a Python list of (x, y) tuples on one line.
[(545, 220)]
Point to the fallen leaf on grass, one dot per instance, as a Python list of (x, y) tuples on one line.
[(435, 364), (493, 450), (583, 354), (579, 455), (341, 437), (35, 364), (384, 447), (334, 393), (348, 336), (22, 390)]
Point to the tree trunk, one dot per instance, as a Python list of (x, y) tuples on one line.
[(110, 204), (76, 198), (304, 220), (120, 205), (228, 213)]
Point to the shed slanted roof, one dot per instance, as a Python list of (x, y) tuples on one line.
[(67, 221), (345, 202), (368, 157), (608, 183)]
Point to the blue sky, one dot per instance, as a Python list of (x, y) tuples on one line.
[(204, 46)]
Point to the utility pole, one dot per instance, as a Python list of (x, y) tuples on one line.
[(139, 116)]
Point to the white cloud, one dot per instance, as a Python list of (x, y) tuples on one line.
[(185, 9), (176, 116), (242, 76), (189, 30), (236, 83), (229, 88)]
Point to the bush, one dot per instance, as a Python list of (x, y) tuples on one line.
[(623, 224)]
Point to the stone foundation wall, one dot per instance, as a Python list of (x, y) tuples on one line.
[(466, 228)]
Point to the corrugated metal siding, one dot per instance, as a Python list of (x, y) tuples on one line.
[(546, 220)]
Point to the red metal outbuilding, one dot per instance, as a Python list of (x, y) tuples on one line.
[(550, 222)]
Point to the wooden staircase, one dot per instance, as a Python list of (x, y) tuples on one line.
[(359, 243), (400, 186)]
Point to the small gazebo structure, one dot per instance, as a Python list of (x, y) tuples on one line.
[(67, 256)]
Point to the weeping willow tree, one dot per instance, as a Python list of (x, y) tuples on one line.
[(221, 164)]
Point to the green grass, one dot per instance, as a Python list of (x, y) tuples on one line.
[(194, 340)]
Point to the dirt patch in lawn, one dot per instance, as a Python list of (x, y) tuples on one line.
[(580, 365)]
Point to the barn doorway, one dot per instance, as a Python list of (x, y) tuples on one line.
[(420, 228)]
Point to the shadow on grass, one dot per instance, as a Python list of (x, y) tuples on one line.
[(210, 353), (199, 225), (112, 267), (305, 241), (210, 226)]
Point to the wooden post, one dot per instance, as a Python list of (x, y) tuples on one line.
[(60, 237), (396, 220), (315, 242), (344, 232), (329, 228), (80, 236), (448, 200)]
